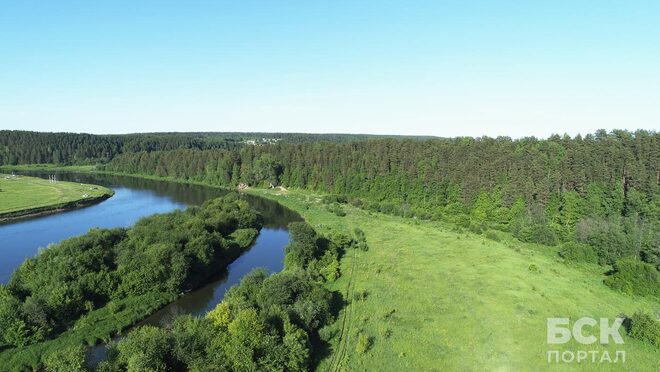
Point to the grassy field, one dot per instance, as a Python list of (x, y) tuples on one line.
[(20, 193), (432, 298)]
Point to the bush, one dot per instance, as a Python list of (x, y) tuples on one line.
[(330, 199), (364, 343), (356, 202), (327, 333), (539, 233), (607, 237), (361, 239), (578, 252), (476, 228), (67, 359), (634, 277), (336, 209), (244, 237), (643, 327), (492, 235)]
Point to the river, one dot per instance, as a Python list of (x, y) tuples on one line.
[(135, 198)]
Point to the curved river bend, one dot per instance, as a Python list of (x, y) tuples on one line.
[(136, 198)]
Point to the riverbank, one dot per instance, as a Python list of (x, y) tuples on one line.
[(108, 319), (27, 197), (427, 293)]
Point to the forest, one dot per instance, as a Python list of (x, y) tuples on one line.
[(90, 287), (597, 195), (23, 147)]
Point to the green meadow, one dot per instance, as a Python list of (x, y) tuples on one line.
[(427, 296), (21, 193)]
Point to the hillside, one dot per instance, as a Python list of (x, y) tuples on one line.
[(431, 297)]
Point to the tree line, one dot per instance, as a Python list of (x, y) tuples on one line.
[(596, 195), (23, 147)]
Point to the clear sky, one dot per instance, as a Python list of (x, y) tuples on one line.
[(444, 68)]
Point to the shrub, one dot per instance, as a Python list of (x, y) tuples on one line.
[(492, 235), (244, 237), (462, 221), (643, 327), (476, 228), (356, 202), (336, 209), (541, 234), (607, 237), (364, 343), (330, 199), (578, 252), (361, 295), (327, 333), (634, 277), (70, 358)]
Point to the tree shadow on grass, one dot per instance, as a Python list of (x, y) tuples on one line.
[(322, 348)]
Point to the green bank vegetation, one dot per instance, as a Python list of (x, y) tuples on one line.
[(89, 288), (22, 196), (265, 323)]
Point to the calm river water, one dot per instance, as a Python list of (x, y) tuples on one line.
[(135, 198)]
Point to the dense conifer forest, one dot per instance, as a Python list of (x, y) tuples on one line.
[(22, 147), (550, 191)]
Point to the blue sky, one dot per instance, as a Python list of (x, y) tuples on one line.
[(444, 68)]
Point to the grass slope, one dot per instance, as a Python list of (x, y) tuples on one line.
[(437, 299), (21, 193)]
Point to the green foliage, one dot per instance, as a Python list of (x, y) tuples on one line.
[(82, 148), (68, 359), (632, 276), (264, 323), (645, 328), (336, 209), (606, 236), (539, 233), (333, 199), (361, 239), (303, 243), (220, 316), (544, 191), (578, 252), (296, 342), (363, 344), (90, 287), (492, 235), (146, 349), (244, 237)]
